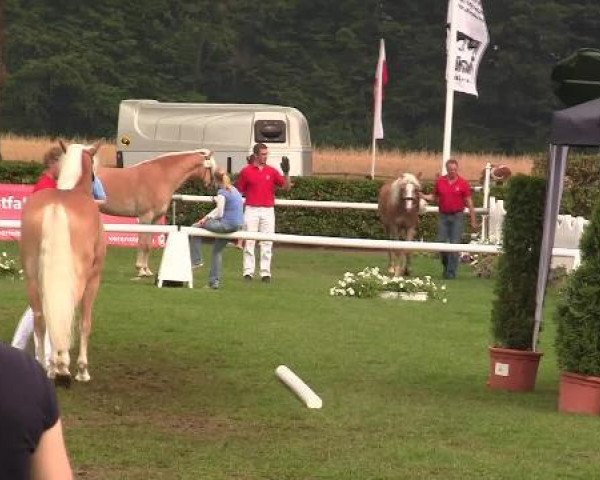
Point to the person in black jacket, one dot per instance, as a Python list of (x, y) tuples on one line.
[(31, 439)]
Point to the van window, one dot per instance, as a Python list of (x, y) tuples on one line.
[(269, 131)]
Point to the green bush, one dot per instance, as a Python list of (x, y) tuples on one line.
[(578, 313), (312, 221), (514, 306), (20, 172), (292, 220), (581, 184)]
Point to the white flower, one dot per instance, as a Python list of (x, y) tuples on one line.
[(369, 282)]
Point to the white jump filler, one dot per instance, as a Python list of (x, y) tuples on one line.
[(295, 383)]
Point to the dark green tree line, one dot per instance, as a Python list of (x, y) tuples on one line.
[(69, 64)]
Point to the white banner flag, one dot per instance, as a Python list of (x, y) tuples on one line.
[(466, 42), (381, 79)]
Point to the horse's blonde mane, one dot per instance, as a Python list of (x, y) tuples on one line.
[(203, 151), (70, 166), (399, 183)]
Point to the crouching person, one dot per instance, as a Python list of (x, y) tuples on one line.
[(227, 217)]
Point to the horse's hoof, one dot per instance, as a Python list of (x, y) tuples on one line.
[(148, 273), (83, 377), (62, 380)]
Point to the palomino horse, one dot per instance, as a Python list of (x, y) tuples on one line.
[(145, 190), (62, 252), (399, 206)]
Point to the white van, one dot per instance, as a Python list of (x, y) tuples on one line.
[(148, 128)]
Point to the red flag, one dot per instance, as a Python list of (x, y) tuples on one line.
[(381, 80)]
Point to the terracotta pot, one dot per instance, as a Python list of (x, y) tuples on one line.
[(579, 394), (514, 370)]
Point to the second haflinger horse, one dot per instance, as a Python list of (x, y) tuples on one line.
[(144, 190), (399, 205), (62, 253)]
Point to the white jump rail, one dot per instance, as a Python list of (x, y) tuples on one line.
[(339, 242), (309, 203)]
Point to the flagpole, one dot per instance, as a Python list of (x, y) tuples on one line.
[(447, 149), (373, 154)]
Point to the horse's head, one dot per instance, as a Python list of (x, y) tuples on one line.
[(409, 186), (72, 160), (206, 168)]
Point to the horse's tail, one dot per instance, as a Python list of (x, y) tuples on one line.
[(57, 276)]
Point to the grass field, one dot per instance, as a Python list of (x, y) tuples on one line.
[(183, 383), (326, 161)]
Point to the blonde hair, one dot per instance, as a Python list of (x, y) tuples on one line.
[(222, 177)]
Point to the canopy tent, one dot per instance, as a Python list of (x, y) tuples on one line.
[(576, 79), (577, 126)]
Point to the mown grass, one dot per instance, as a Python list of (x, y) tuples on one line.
[(184, 388)]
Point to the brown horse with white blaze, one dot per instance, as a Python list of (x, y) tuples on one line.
[(144, 190), (399, 205), (62, 252)]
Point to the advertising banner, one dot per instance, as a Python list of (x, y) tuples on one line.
[(13, 198)]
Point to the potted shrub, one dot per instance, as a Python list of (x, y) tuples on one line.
[(578, 334), (513, 363)]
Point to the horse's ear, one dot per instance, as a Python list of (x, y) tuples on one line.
[(62, 145), (95, 147)]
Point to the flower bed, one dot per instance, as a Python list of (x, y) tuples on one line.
[(369, 283), (9, 267)]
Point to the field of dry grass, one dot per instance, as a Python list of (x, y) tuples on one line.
[(390, 164), (346, 162)]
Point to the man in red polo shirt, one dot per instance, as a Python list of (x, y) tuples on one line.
[(258, 183), (453, 194)]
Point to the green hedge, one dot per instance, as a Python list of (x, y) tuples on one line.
[(293, 220), (326, 222), (20, 172), (582, 182)]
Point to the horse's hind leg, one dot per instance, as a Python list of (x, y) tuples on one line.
[(85, 327), (143, 254), (39, 326)]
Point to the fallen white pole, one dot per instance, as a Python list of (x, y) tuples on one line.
[(301, 389)]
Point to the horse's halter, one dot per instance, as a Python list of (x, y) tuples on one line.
[(209, 166), (410, 196)]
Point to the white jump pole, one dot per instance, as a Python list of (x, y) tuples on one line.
[(281, 202), (301, 389), (341, 242)]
